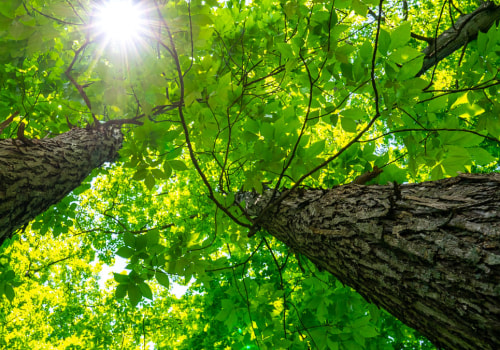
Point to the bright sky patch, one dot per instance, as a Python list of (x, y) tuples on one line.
[(121, 22)]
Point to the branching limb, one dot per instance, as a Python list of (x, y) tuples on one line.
[(369, 175), (9, 120), (423, 38), (465, 29), (173, 52), (21, 137), (78, 86), (432, 130), (286, 193)]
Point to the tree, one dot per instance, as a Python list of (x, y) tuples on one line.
[(39, 173), (217, 102), (420, 251)]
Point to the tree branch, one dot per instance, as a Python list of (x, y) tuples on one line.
[(465, 30)]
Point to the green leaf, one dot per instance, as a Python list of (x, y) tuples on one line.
[(120, 278), (334, 119), (140, 174), (129, 239), (392, 173), (158, 174), (481, 156), (153, 237), (285, 50), (360, 8), (411, 68), (316, 149), (343, 4), (202, 19), (149, 181), (384, 41), (145, 290), (267, 130), (343, 52), (121, 291), (348, 124), (167, 170), (162, 279), (178, 165), (141, 242), (463, 139), (125, 252), (174, 154), (404, 54), (400, 36), (20, 31), (456, 159), (134, 293), (354, 113), (8, 276), (438, 104), (368, 331), (9, 292), (366, 51)]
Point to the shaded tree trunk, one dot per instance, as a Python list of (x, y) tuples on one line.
[(35, 174), (428, 253)]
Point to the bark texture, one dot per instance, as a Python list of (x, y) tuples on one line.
[(37, 174), (464, 30), (428, 253)]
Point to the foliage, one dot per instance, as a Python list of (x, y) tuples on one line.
[(230, 95)]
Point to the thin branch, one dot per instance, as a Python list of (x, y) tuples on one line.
[(73, 81), (48, 265), (191, 39), (465, 29), (449, 92), (430, 130), (60, 21), (302, 130), (185, 128), (241, 263), (374, 84), (423, 38), (286, 193), (282, 287)]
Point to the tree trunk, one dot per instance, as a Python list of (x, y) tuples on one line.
[(428, 253), (35, 174)]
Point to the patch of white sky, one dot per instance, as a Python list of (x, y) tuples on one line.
[(119, 266)]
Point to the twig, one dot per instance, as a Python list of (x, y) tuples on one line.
[(73, 81)]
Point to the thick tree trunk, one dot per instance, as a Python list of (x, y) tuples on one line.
[(463, 31), (35, 174), (428, 253)]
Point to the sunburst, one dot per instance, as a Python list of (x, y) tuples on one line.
[(121, 24)]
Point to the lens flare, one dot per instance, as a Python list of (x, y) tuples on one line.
[(121, 22)]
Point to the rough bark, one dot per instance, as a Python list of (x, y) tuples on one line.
[(428, 253), (464, 30), (38, 174)]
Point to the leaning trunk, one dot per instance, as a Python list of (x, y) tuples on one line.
[(428, 253), (35, 174)]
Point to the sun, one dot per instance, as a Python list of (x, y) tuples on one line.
[(121, 22)]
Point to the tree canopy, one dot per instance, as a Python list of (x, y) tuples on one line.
[(216, 98)]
